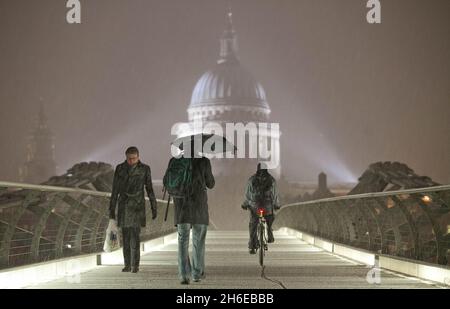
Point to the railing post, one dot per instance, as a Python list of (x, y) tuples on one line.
[(88, 210), (73, 205), (374, 215), (335, 221), (351, 226), (313, 211), (324, 226), (441, 248), (414, 235), (366, 221), (394, 227), (40, 226), (101, 216), (339, 210)]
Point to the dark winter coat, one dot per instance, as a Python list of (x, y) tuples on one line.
[(261, 192), (194, 209), (128, 193)]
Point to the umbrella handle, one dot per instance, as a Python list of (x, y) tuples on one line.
[(167, 209)]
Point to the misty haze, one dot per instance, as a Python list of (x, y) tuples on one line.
[(346, 93), (320, 131)]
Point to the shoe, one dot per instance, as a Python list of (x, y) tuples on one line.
[(126, 269), (135, 270), (185, 281), (198, 279), (266, 248), (252, 251), (271, 240)]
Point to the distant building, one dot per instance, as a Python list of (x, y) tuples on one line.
[(322, 191), (40, 163)]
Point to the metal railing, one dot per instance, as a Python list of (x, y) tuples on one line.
[(40, 223), (414, 223)]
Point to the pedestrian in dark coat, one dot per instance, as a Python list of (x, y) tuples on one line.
[(130, 179), (192, 212)]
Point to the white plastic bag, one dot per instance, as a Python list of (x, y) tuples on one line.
[(112, 239)]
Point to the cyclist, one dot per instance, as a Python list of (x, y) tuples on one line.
[(261, 192)]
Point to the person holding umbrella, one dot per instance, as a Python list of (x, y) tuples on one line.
[(187, 179)]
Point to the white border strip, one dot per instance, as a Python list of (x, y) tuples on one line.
[(355, 254), (419, 270)]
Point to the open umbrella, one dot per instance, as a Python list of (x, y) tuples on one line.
[(201, 144), (204, 144)]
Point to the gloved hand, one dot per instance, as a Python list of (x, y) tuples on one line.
[(244, 206), (277, 207), (154, 213)]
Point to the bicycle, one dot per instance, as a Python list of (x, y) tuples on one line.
[(262, 235)]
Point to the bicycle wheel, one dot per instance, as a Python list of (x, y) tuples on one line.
[(261, 244)]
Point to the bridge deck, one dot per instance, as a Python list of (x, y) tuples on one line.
[(228, 265)]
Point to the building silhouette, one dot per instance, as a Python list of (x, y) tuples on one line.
[(40, 161)]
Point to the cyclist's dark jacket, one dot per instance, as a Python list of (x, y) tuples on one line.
[(194, 209), (251, 193)]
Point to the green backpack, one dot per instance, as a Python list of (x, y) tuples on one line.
[(178, 178)]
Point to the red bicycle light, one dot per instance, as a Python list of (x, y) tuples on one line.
[(261, 211)]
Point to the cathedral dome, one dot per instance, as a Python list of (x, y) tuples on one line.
[(228, 84)]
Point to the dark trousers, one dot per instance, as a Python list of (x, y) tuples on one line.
[(253, 229), (131, 246)]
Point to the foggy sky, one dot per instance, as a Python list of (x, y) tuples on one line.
[(345, 93)]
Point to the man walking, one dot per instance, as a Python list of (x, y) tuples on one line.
[(191, 212), (130, 179)]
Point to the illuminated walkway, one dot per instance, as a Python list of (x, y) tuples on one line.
[(291, 261)]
